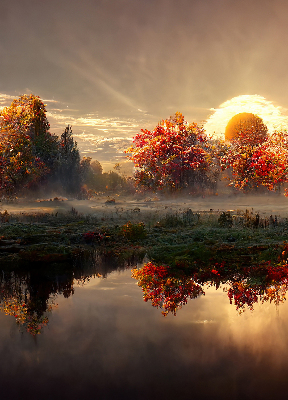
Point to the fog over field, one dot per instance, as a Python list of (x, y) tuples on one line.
[(141, 206)]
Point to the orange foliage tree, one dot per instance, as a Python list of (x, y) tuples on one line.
[(27, 148)]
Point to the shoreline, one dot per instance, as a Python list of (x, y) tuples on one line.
[(58, 231)]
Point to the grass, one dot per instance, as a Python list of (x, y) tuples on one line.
[(169, 238)]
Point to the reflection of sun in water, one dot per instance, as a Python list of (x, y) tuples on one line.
[(271, 115)]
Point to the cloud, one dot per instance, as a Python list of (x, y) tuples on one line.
[(50, 101), (5, 100)]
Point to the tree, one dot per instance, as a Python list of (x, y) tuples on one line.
[(27, 115), (69, 170), (254, 165), (96, 167), (30, 155), (20, 168), (172, 155), (27, 148)]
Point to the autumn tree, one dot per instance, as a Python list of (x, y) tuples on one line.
[(27, 148), (172, 155), (19, 166), (255, 158), (31, 157)]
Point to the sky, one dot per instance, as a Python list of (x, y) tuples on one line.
[(112, 67)]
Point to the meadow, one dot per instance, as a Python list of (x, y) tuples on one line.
[(174, 231)]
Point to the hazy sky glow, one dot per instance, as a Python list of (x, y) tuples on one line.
[(112, 67), (272, 116)]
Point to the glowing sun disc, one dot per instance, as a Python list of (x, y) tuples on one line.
[(271, 115)]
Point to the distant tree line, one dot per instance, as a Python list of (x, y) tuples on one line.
[(176, 155), (33, 159)]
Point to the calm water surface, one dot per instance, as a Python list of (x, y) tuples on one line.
[(105, 342)]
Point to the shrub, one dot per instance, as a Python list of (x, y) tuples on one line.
[(133, 231)]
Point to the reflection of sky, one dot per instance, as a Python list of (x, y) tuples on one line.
[(104, 339)]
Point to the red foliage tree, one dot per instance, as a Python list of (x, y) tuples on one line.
[(173, 155), (257, 163)]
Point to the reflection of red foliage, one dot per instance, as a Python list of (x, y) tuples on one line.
[(32, 322), (170, 289), (243, 295), (274, 286), (166, 290)]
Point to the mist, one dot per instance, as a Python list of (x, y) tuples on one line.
[(118, 57)]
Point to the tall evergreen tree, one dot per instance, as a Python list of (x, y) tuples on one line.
[(69, 171)]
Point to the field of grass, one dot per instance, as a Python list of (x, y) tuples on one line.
[(174, 238)]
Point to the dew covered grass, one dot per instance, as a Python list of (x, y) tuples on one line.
[(169, 237)]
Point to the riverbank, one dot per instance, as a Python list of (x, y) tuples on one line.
[(175, 232)]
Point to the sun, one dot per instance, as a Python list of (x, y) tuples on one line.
[(243, 122), (271, 115)]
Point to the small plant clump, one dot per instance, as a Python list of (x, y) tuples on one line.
[(225, 220), (134, 231)]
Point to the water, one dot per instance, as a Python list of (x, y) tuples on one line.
[(101, 340)]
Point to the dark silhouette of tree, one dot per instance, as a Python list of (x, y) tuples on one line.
[(69, 171), (96, 167)]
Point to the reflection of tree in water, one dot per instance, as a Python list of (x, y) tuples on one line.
[(30, 295), (169, 288), (262, 283), (165, 289)]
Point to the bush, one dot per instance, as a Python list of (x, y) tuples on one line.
[(133, 231)]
